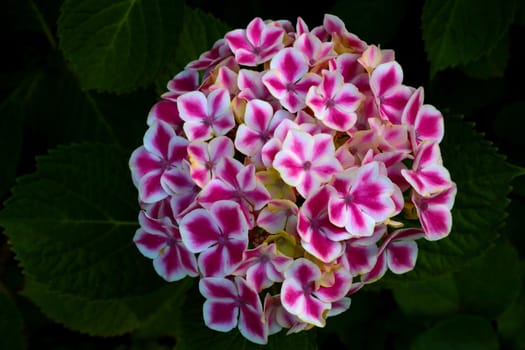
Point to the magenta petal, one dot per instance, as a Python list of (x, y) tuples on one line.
[(198, 230), (340, 287), (150, 189), (192, 106), (401, 256), (291, 63), (360, 259), (323, 248), (252, 324), (386, 77), (430, 124), (175, 263), (377, 271), (149, 244)]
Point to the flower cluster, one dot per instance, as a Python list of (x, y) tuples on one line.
[(287, 168)]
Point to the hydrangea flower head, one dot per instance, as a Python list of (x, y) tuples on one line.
[(286, 169)]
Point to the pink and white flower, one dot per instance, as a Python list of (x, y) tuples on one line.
[(231, 304), (290, 164), (219, 235)]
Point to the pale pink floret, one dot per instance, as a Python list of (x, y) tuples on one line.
[(335, 27), (206, 116), (231, 303), (238, 183), (361, 200), (319, 236), (278, 215), (435, 213), (160, 240), (391, 96), (251, 87), (257, 44), (288, 80), (425, 121), (263, 266), (204, 157), (334, 102), (298, 292), (373, 56), (185, 81), (314, 49), (219, 234), (428, 175), (162, 152), (306, 161), (258, 127)]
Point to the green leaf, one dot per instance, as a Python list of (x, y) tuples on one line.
[(119, 46), (389, 12), (193, 333), (436, 297), (486, 287), (483, 179), (491, 65), (111, 316), (71, 225), (11, 141), (457, 32), (11, 324), (498, 286), (511, 324), (458, 333)]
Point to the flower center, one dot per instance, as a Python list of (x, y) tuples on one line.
[(330, 103), (307, 165)]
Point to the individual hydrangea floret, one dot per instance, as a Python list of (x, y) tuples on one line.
[(286, 169)]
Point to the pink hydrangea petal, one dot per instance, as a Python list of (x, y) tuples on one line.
[(220, 315), (291, 64), (215, 190), (236, 40), (175, 263), (150, 189), (231, 221), (385, 77), (167, 112), (157, 139), (198, 230), (429, 124), (185, 81), (323, 248), (251, 319), (360, 259), (298, 301), (149, 244), (401, 256), (377, 271), (340, 287), (275, 83), (193, 106), (414, 103), (339, 306), (143, 162), (217, 288), (428, 181), (221, 259)]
